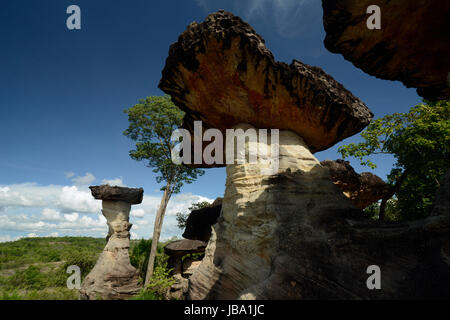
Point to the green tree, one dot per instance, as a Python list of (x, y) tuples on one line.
[(151, 124), (182, 217), (420, 142)]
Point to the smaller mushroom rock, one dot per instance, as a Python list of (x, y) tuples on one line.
[(177, 249), (362, 189), (199, 222), (113, 277)]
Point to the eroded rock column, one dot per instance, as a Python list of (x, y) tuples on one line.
[(113, 277), (264, 222)]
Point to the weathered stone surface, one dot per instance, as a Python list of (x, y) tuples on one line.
[(199, 222), (221, 72), (106, 192), (182, 268), (294, 235), (183, 247), (412, 46), (113, 277), (362, 189)]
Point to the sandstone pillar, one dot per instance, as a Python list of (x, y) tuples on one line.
[(113, 277)]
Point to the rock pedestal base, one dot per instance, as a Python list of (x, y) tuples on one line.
[(294, 235)]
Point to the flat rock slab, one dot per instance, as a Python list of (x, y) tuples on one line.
[(185, 246), (106, 192)]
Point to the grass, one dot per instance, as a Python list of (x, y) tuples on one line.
[(35, 268)]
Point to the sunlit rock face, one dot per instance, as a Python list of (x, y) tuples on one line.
[(113, 277), (264, 220), (221, 72), (291, 234), (294, 235), (412, 46)]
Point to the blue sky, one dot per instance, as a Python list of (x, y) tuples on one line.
[(63, 92)]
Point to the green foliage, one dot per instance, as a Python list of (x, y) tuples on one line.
[(151, 124), (182, 217), (420, 142), (139, 256), (161, 279), (84, 260), (35, 268), (392, 212)]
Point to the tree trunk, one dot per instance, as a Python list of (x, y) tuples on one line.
[(157, 232), (393, 190)]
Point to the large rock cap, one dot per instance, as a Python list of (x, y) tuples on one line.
[(221, 72), (106, 192), (412, 46)]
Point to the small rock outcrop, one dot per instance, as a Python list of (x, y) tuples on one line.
[(362, 189), (199, 222), (412, 46), (113, 277), (182, 268)]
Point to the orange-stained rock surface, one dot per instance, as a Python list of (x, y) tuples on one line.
[(221, 72), (362, 189), (412, 46)]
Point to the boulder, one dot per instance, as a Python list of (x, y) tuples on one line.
[(199, 222), (362, 189), (412, 45)]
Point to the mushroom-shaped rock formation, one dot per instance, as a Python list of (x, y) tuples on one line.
[(221, 72), (113, 277), (290, 234), (199, 222), (182, 268), (362, 189), (412, 46)]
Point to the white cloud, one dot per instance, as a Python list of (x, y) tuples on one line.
[(32, 235), (69, 174), (66, 199), (114, 182), (71, 217), (139, 213), (290, 18), (87, 179), (71, 210), (73, 199), (53, 234), (49, 214)]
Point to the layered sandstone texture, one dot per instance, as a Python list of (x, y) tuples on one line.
[(113, 277), (412, 46), (220, 72), (291, 233), (362, 189), (294, 235)]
